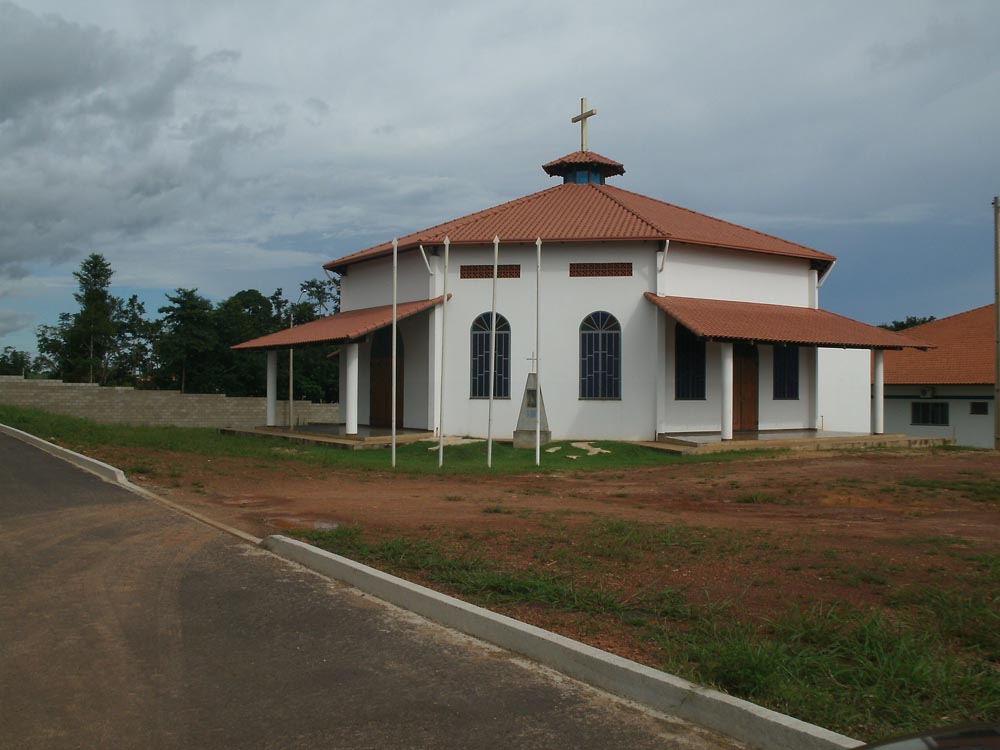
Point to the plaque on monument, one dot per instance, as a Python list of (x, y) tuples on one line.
[(532, 408)]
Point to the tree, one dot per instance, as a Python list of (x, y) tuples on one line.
[(908, 322), (322, 294), (244, 316), (135, 336), (91, 336), (53, 346), (318, 374), (187, 340), (14, 362)]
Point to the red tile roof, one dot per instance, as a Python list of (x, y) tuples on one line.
[(589, 213), (561, 165), (343, 326), (965, 353), (777, 324)]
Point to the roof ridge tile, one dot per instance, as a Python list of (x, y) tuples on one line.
[(604, 191), (721, 221)]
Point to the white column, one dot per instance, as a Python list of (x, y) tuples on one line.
[(814, 391), (272, 388), (878, 396), (661, 374), (726, 362), (351, 389)]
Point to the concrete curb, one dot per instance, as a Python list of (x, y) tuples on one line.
[(116, 476), (663, 692)]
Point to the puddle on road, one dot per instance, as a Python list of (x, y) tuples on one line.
[(246, 501), (300, 523)]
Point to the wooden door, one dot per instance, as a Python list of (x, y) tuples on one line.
[(380, 380), (745, 388)]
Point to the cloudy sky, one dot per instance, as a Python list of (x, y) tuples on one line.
[(231, 144)]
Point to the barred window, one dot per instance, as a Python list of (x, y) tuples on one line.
[(786, 373), (480, 358), (485, 271), (581, 270), (689, 365), (979, 408), (600, 357), (929, 413)]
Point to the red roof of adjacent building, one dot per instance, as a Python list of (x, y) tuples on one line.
[(591, 212), (777, 324), (965, 353), (343, 326)]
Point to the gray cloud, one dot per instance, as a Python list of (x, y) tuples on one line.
[(12, 320), (200, 143)]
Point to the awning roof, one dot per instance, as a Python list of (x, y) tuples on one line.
[(778, 324), (343, 326)]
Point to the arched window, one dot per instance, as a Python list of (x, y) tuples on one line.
[(480, 356), (600, 356)]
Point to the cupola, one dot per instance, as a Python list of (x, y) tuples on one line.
[(584, 166)]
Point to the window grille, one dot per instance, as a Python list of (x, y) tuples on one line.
[(928, 413), (786, 373), (600, 357), (582, 270), (689, 365), (480, 358), (485, 271)]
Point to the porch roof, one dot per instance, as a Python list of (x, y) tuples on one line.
[(340, 327), (724, 320)]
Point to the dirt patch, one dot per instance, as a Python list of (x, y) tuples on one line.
[(825, 525)]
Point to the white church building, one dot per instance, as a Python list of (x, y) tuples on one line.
[(654, 320)]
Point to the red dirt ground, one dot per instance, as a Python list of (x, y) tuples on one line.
[(801, 511)]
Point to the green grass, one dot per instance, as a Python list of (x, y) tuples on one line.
[(858, 671), (855, 671), (467, 576), (766, 498), (413, 458), (986, 491)]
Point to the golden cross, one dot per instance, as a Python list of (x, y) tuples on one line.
[(582, 119)]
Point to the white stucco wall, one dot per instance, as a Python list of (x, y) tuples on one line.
[(369, 284), (784, 414), (417, 360), (567, 302), (647, 339), (845, 390), (715, 273), (967, 429)]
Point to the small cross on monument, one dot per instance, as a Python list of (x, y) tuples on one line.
[(582, 119)]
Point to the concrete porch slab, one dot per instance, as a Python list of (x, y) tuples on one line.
[(800, 440)]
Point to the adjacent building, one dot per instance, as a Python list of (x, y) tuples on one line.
[(947, 391)]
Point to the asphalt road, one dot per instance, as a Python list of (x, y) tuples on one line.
[(124, 624)]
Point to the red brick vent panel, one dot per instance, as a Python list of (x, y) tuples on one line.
[(580, 270), (485, 271)]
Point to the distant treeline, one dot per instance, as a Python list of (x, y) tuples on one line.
[(112, 341)]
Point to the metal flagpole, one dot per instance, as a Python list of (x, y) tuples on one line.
[(538, 352), (444, 335), (996, 312), (291, 374), (493, 353), (395, 254)]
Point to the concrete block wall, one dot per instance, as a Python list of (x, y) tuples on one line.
[(119, 405)]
